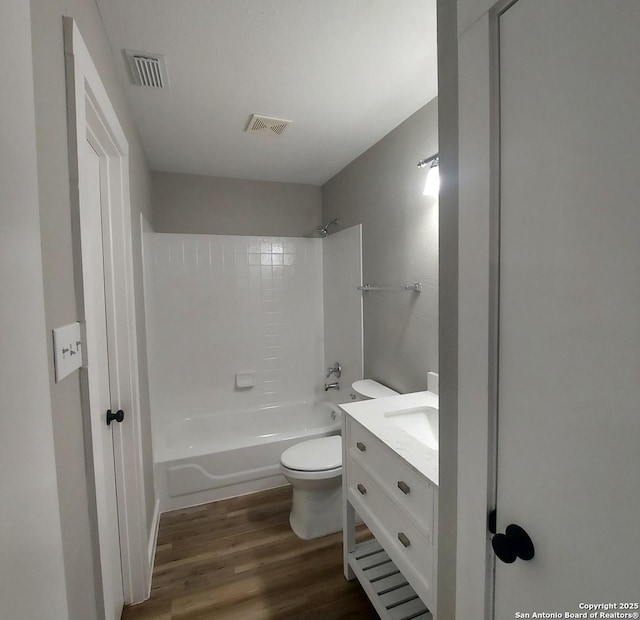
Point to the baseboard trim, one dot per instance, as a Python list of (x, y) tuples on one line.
[(153, 540)]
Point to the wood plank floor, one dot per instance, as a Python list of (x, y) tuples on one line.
[(238, 559)]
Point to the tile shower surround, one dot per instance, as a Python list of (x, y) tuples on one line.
[(220, 304)]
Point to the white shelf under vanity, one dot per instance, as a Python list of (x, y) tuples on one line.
[(390, 479)]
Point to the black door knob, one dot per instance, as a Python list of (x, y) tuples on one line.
[(514, 543), (118, 416)]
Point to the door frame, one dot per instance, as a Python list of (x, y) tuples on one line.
[(478, 309), (92, 117)]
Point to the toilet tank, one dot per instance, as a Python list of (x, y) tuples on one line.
[(366, 389)]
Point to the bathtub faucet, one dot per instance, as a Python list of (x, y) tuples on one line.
[(331, 386)]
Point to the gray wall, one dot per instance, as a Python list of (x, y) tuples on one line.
[(186, 203), (382, 190), (32, 579), (59, 289)]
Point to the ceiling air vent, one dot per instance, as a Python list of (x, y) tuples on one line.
[(267, 126), (148, 69)]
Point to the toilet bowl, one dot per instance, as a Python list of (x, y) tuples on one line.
[(314, 470)]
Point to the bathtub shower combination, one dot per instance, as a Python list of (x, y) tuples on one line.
[(236, 359)]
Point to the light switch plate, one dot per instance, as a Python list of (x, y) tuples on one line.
[(67, 350)]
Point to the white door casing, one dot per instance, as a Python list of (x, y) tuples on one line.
[(92, 119), (474, 285), (567, 391), (95, 381)]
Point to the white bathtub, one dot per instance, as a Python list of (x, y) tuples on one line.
[(211, 457)]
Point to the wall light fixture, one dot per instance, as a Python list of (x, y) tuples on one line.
[(432, 185)]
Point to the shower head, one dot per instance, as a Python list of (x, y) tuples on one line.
[(323, 232)]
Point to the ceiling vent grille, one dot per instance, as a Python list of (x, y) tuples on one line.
[(267, 126), (148, 69)]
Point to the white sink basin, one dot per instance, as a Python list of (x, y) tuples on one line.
[(421, 423)]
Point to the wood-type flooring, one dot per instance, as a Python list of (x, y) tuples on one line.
[(238, 559)]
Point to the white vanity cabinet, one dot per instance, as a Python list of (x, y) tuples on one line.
[(399, 506)]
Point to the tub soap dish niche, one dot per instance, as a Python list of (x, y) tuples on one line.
[(245, 380)]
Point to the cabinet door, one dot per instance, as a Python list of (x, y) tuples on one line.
[(569, 304)]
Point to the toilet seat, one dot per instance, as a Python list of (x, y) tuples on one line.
[(315, 455), (323, 474)]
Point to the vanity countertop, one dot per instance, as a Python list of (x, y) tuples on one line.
[(371, 415)]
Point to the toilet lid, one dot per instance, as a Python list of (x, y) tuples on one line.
[(372, 389), (314, 454)]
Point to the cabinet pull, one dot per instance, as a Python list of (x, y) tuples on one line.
[(361, 447), (402, 537), (362, 489), (404, 487)]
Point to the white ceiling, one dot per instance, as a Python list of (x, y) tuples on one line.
[(345, 72)]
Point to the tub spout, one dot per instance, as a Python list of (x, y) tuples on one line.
[(331, 386)]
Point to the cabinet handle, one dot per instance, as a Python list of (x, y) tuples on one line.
[(404, 487), (402, 537), (361, 447), (362, 489)]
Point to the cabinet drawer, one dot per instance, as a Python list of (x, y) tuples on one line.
[(404, 486), (406, 545), (364, 447)]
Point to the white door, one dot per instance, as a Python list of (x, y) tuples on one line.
[(96, 384), (569, 309)]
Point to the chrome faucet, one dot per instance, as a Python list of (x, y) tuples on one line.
[(331, 386), (336, 370)]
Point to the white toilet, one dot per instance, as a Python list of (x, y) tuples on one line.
[(314, 469)]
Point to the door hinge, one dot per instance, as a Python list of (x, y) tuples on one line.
[(492, 519)]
